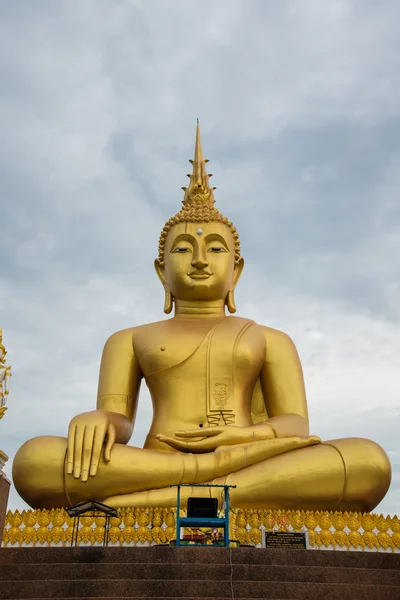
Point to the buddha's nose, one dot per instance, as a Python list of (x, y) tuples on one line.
[(199, 261)]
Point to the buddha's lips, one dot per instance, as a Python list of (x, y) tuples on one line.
[(201, 275)]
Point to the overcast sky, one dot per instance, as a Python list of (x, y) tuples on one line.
[(300, 114)]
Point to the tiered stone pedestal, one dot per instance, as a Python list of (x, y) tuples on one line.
[(214, 573), (4, 492)]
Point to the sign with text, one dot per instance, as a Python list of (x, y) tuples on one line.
[(285, 539)]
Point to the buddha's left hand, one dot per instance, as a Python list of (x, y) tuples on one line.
[(212, 437)]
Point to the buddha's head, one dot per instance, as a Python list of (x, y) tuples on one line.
[(199, 249)]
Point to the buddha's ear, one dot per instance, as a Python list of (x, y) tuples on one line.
[(238, 270), (230, 298), (160, 271), (168, 301)]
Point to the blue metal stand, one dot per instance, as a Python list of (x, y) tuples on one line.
[(222, 523)]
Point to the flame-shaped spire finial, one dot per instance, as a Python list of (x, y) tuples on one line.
[(198, 203), (199, 189)]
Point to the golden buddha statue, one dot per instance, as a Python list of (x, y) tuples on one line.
[(228, 398)]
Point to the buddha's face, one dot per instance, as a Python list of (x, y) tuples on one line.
[(199, 261)]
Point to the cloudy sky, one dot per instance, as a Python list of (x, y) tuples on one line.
[(299, 106)]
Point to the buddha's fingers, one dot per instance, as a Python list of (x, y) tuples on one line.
[(186, 445), (98, 443), (198, 432), (87, 452), (111, 437), (78, 447), (70, 449)]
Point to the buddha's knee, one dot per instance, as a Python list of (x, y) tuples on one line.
[(368, 473), (37, 470)]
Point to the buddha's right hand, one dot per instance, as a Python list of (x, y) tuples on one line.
[(87, 435)]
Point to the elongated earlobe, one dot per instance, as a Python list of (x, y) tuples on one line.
[(230, 301), (168, 302)]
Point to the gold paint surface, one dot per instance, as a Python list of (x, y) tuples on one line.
[(229, 406)]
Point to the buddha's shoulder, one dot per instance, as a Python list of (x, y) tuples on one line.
[(275, 337), (127, 336), (149, 330)]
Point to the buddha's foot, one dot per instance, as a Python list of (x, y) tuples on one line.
[(164, 497), (244, 455), (228, 459)]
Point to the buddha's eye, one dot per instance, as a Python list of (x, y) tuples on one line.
[(181, 250), (216, 249)]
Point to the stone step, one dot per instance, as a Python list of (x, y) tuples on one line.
[(192, 555), (184, 571), (123, 588)]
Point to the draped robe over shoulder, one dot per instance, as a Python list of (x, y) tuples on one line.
[(216, 380)]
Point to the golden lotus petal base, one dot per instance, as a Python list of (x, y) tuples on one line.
[(152, 526)]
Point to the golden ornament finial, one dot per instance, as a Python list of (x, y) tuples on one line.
[(2, 348), (5, 374), (199, 189)]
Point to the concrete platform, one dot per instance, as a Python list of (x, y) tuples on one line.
[(214, 573)]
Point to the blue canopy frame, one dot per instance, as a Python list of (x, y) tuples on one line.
[(220, 522)]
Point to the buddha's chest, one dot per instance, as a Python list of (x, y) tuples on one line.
[(194, 349)]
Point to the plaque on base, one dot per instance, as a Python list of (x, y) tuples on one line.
[(285, 539)]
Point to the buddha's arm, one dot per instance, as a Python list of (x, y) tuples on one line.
[(282, 385), (119, 383), (92, 432)]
